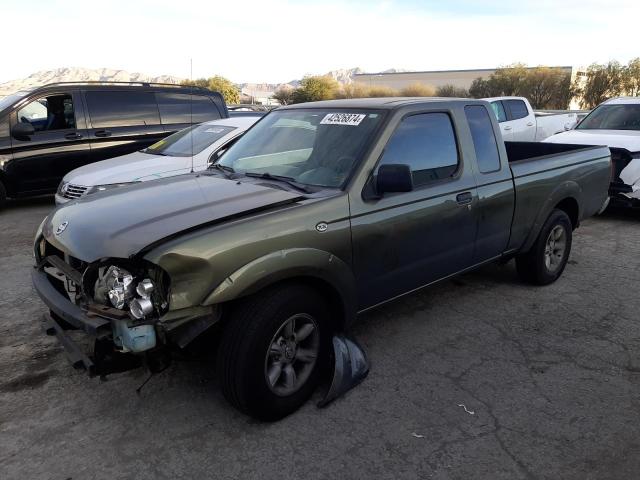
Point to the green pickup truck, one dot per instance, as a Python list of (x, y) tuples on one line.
[(319, 212)]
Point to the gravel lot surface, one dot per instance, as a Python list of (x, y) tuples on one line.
[(478, 377)]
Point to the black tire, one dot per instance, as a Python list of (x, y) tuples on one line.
[(246, 340), (532, 266), (3, 196)]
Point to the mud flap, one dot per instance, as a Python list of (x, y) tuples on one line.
[(351, 366)]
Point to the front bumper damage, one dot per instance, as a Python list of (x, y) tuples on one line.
[(99, 322), (350, 363)]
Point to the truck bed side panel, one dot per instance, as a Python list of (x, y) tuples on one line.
[(541, 183)]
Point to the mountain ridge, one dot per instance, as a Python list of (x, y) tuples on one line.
[(80, 74)]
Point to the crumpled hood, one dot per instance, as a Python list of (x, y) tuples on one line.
[(121, 222), (627, 139)]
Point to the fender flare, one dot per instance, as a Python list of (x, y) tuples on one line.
[(286, 264), (569, 189)]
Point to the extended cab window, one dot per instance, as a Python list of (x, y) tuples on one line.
[(54, 112), (122, 109), (518, 109), (498, 109), (179, 108), (427, 143), (484, 138)]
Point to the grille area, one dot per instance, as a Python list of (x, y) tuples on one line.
[(71, 191)]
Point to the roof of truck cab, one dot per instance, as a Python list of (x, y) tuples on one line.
[(383, 103)]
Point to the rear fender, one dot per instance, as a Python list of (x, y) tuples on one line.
[(290, 264), (568, 189)]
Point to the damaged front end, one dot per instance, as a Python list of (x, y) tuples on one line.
[(625, 178), (118, 302)]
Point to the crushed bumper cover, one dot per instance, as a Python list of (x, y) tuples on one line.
[(62, 307)]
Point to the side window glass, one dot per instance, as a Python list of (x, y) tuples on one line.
[(177, 108), (498, 109), (54, 112), (518, 109), (122, 108), (427, 143), (484, 138)]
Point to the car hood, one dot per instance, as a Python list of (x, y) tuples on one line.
[(627, 139), (133, 167), (121, 222)]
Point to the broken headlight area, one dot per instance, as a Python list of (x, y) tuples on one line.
[(133, 297)]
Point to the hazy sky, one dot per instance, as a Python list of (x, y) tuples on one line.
[(279, 40)]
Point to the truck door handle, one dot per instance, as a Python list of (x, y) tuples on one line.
[(507, 127), (530, 124), (464, 198), (102, 133), (73, 136)]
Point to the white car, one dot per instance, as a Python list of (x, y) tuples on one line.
[(189, 150), (616, 124), (520, 123)]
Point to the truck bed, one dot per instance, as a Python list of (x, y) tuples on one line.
[(520, 151), (539, 168)]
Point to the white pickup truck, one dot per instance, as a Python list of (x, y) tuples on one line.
[(520, 123)]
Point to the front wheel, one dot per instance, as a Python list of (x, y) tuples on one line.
[(271, 351), (548, 257)]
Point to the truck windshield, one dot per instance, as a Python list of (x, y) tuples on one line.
[(190, 141), (612, 117), (313, 146)]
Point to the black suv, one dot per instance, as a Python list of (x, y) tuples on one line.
[(50, 130)]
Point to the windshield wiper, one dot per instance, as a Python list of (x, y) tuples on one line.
[(281, 178), (227, 171)]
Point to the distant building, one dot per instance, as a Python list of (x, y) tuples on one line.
[(435, 78)]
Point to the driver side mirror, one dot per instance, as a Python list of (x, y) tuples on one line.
[(393, 178), (22, 131)]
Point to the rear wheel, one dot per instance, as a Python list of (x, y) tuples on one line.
[(271, 351), (548, 257)]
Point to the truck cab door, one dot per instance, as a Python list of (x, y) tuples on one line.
[(59, 142), (521, 119), (506, 127), (405, 240)]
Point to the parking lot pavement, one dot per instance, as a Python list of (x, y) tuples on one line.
[(479, 377)]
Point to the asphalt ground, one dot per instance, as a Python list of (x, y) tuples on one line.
[(478, 377)]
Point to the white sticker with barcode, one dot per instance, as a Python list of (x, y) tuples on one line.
[(352, 119)]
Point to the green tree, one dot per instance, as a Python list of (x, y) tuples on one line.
[(314, 88), (284, 95), (418, 90), (631, 80), (217, 83), (601, 83), (547, 87), (380, 91), (480, 88), (451, 91)]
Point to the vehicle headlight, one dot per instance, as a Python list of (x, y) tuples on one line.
[(120, 288), (62, 188), (109, 186)]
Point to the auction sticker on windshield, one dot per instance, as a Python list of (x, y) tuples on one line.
[(352, 119)]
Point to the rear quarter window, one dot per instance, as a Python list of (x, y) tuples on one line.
[(517, 108), (484, 138), (185, 108), (122, 108)]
